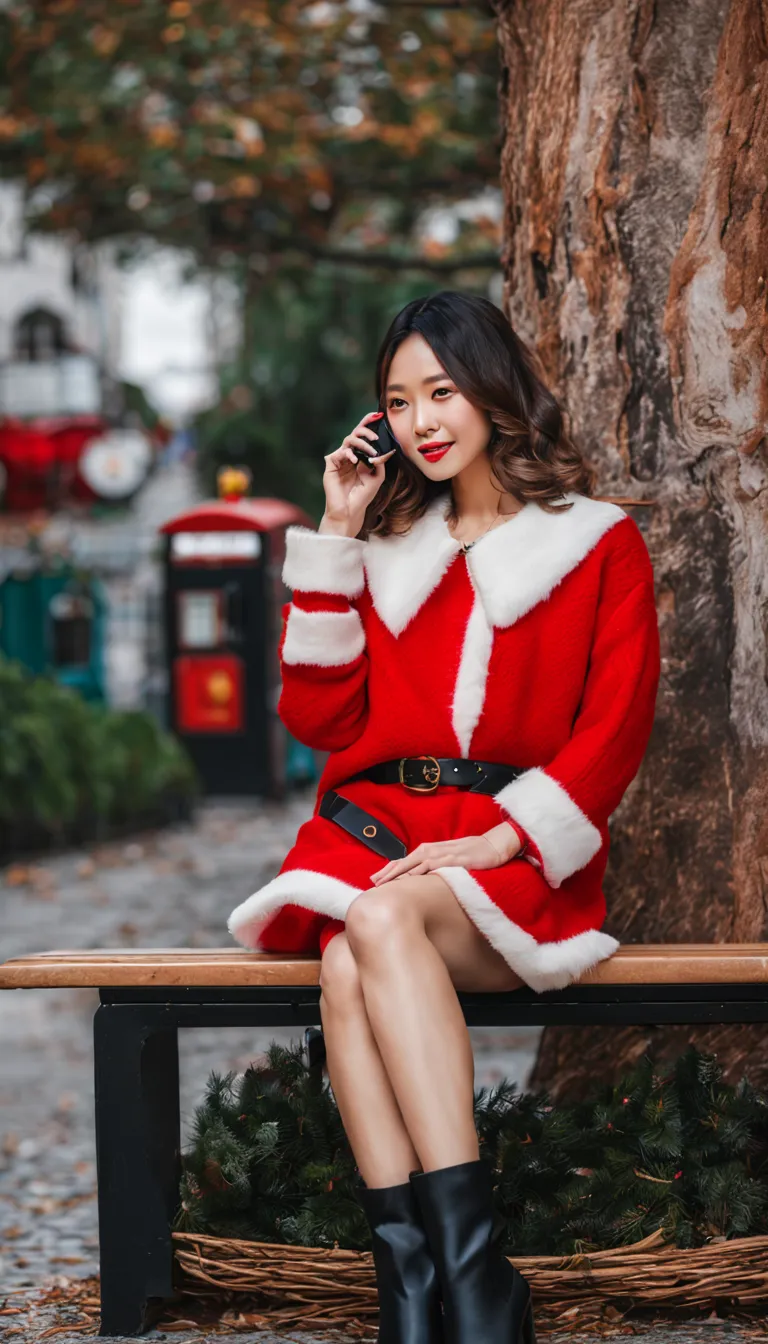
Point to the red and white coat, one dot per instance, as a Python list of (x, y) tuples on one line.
[(539, 648)]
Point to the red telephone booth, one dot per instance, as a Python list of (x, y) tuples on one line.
[(223, 599)]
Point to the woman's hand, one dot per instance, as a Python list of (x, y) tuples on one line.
[(489, 850), (350, 485)]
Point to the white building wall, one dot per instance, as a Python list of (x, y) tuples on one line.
[(39, 272), (146, 322)]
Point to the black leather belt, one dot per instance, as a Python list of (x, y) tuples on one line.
[(422, 774), (359, 823)]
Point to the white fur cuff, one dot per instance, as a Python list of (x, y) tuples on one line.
[(565, 836), (323, 638), (317, 562)]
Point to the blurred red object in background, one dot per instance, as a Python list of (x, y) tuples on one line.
[(41, 460)]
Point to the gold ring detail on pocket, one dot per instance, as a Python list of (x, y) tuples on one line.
[(369, 830)]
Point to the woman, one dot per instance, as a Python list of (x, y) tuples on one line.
[(474, 640)]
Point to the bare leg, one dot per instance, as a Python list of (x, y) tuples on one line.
[(367, 1105), (414, 946)]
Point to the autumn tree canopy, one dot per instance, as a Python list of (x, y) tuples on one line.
[(258, 126)]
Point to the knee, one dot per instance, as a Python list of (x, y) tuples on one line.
[(339, 976), (377, 917)]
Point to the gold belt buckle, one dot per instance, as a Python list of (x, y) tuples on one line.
[(430, 772)]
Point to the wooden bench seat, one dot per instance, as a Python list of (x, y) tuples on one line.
[(147, 994), (646, 964)]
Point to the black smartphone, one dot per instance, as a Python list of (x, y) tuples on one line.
[(384, 442)]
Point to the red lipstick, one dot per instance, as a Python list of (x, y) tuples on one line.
[(434, 451)]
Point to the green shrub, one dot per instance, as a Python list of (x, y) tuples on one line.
[(670, 1147), (70, 769)]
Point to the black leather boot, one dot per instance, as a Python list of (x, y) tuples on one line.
[(485, 1299), (410, 1310)]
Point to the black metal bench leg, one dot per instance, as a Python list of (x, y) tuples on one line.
[(138, 1160)]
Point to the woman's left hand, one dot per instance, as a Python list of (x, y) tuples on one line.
[(469, 851)]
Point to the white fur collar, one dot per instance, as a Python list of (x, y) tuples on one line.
[(513, 567)]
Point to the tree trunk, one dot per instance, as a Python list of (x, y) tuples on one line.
[(635, 173)]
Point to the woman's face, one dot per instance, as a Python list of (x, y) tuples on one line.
[(424, 406)]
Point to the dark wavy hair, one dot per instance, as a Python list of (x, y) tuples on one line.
[(532, 457)]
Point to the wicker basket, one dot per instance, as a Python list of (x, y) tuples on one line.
[(331, 1285)]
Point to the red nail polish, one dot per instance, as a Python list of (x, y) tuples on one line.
[(378, 415)]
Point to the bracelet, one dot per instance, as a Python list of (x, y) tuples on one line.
[(495, 850)]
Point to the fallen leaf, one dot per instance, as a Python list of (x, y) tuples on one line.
[(17, 875)]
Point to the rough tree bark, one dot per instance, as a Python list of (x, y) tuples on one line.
[(635, 172)]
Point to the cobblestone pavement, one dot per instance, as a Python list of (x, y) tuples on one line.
[(173, 888), (34, 1322)]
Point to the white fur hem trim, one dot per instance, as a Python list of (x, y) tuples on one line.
[(299, 886), (541, 965), (323, 638), (317, 562), (563, 834)]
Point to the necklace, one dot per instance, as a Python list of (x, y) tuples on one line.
[(465, 546)]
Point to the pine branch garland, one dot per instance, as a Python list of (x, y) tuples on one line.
[(269, 1160)]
